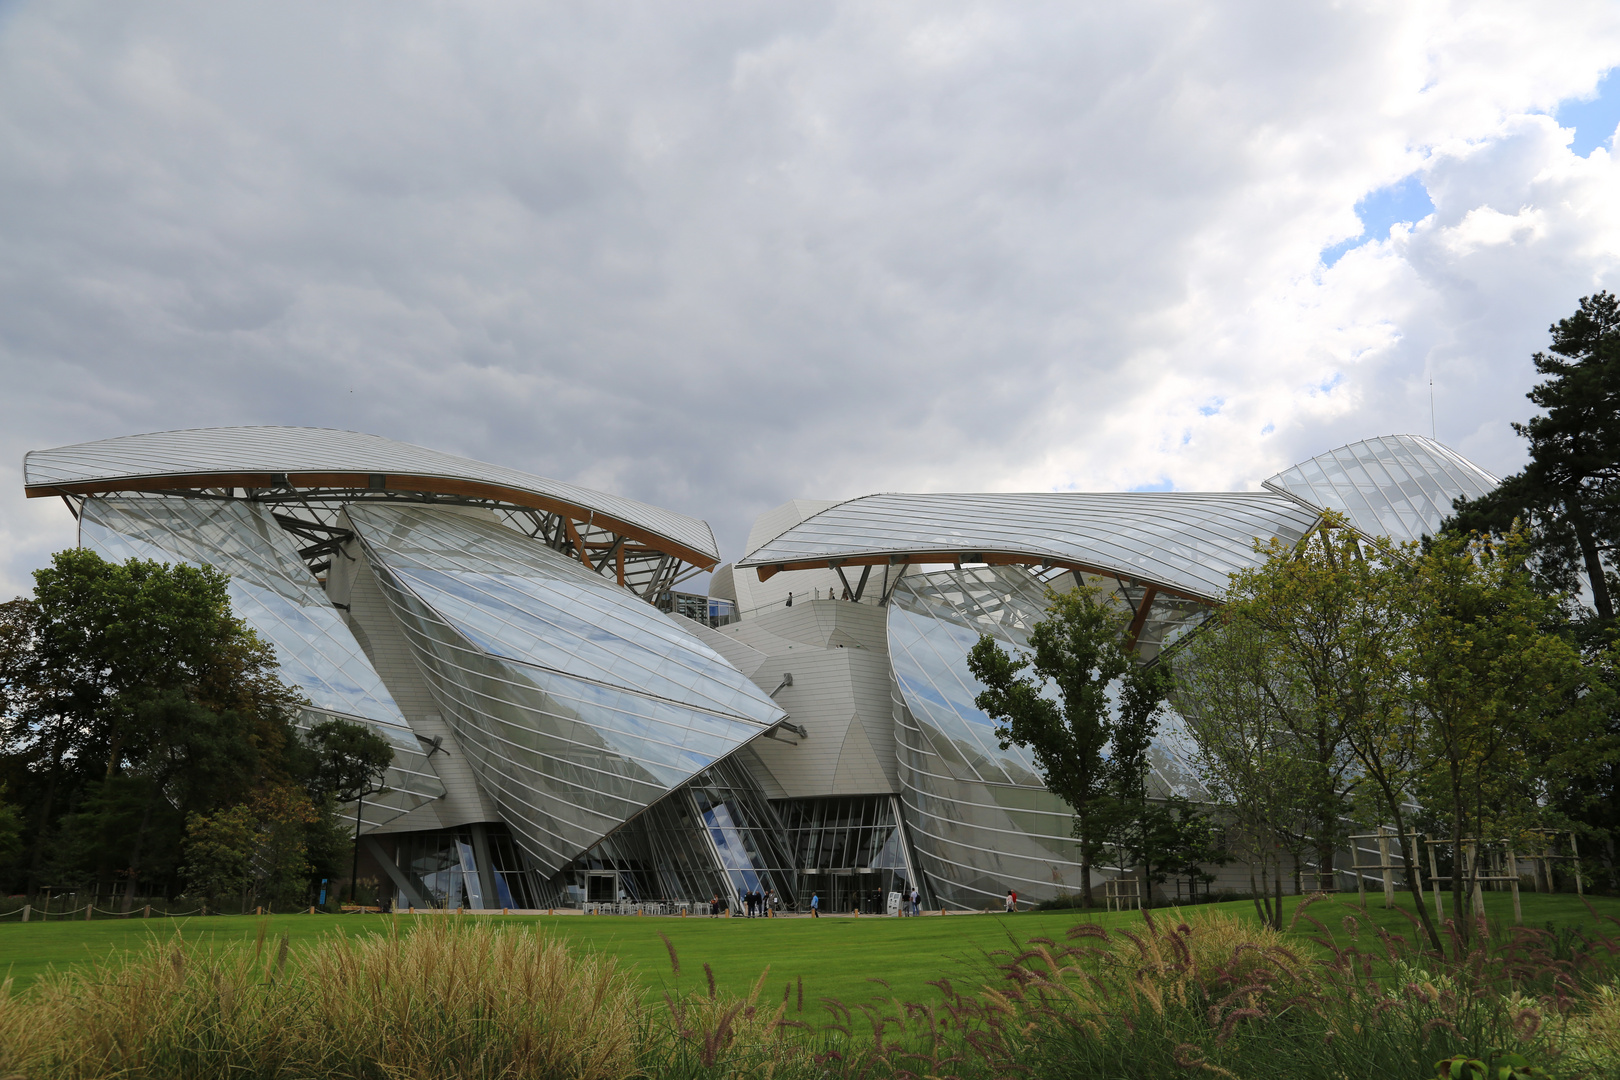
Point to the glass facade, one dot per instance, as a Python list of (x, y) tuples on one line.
[(980, 819), (850, 851), (717, 836), (1399, 486), (442, 869), (576, 704), (275, 594)]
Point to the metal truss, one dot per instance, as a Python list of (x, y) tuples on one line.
[(313, 515)]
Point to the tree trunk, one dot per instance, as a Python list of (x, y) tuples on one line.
[(135, 853), (1458, 810), (1594, 564), (1409, 857), (1085, 861), (1257, 891), (1276, 916)]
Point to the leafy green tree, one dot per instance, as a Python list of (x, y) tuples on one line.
[(1296, 688), (1062, 712), (1569, 497), (352, 762), (219, 850), (132, 700), (1570, 490), (1493, 686), (1253, 767)]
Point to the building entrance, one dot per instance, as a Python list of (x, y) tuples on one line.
[(602, 888)]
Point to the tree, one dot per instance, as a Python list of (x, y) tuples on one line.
[(1294, 692), (1570, 490), (1061, 712), (219, 851), (353, 760), (1252, 765), (1493, 686), (132, 700), (1569, 498)]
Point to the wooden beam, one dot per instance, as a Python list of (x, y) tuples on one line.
[(579, 548), (1140, 619)]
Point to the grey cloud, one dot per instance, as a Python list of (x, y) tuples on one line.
[(719, 257)]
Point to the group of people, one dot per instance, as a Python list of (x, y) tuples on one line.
[(1012, 901), (758, 904)]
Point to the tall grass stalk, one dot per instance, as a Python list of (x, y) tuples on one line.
[(448, 999)]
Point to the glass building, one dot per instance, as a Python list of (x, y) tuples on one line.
[(570, 728)]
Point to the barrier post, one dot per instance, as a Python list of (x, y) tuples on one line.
[(147, 913), (28, 909), (1513, 875), (1384, 868), (88, 908)]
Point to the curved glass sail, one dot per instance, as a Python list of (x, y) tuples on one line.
[(577, 704), (1187, 541), (982, 822), (237, 455), (274, 593), (1399, 486)]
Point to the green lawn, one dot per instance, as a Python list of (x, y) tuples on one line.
[(836, 957)]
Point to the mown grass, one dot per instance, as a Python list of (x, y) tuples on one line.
[(837, 957), (1051, 995)]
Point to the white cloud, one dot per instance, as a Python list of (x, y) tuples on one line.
[(719, 257)]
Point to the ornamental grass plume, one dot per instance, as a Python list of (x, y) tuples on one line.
[(450, 999)]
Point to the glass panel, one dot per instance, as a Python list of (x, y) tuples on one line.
[(274, 593), (576, 704), (1400, 486)]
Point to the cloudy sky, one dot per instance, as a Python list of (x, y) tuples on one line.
[(719, 255)]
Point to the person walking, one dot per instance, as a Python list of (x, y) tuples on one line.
[(714, 907), (1009, 902), (916, 902), (815, 905)]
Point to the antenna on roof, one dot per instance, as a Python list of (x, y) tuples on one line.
[(1432, 434)]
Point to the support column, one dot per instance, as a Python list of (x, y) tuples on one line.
[(486, 868), (395, 874)]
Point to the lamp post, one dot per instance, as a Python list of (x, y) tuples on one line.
[(354, 867)]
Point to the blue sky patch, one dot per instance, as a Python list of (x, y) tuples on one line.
[(1162, 484), (1404, 200), (1212, 407), (1594, 121)]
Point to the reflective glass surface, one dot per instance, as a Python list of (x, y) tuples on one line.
[(850, 850), (715, 836), (576, 703), (323, 450), (1399, 486), (274, 593), (1187, 541), (441, 866), (981, 820)]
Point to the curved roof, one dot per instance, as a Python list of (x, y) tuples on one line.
[(329, 458), (1399, 486), (1179, 541)]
